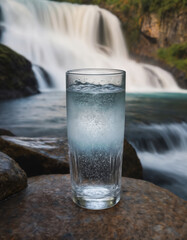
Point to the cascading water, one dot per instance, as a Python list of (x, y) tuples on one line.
[(62, 36), (163, 152)]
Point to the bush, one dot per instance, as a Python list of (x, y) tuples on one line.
[(162, 7), (175, 55)]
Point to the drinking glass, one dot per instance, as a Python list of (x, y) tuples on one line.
[(95, 124)]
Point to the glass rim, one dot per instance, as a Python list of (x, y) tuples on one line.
[(96, 71)]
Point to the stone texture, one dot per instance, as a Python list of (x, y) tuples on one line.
[(131, 164), (150, 26), (50, 155), (16, 76), (37, 155), (45, 211), (161, 32), (165, 31), (12, 178), (175, 30)]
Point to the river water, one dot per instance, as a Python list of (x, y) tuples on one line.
[(156, 125)]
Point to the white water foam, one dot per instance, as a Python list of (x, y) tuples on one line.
[(174, 159), (63, 36), (40, 77)]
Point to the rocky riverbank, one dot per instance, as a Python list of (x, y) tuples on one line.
[(16, 76)]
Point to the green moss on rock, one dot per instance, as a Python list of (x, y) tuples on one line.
[(16, 76)]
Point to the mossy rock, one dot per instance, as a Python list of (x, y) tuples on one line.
[(16, 76)]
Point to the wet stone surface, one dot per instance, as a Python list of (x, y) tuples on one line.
[(12, 178), (37, 155), (48, 155), (44, 210), (131, 163)]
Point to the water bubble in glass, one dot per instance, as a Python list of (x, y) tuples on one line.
[(95, 124)]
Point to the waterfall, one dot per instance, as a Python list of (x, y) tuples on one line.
[(62, 36)]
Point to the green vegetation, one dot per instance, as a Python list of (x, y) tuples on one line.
[(175, 55), (162, 7), (143, 6)]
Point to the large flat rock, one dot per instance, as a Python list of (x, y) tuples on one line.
[(12, 178), (45, 211), (48, 155)]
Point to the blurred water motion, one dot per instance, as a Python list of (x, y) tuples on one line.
[(62, 36)]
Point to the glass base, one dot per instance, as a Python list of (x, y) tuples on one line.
[(95, 204)]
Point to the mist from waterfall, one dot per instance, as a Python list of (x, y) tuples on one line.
[(62, 36)]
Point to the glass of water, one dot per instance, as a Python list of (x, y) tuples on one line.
[(95, 123)]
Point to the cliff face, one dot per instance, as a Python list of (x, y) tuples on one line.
[(167, 34), (156, 32)]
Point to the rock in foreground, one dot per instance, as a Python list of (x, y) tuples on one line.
[(45, 211), (37, 155), (16, 76), (50, 155), (12, 178)]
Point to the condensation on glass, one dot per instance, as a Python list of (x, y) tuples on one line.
[(95, 124)]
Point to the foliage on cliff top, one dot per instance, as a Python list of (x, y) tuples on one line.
[(175, 55), (144, 6), (162, 7)]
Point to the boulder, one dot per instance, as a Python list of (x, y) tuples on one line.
[(12, 178), (16, 76), (131, 163), (37, 155), (50, 155), (45, 211), (6, 132)]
